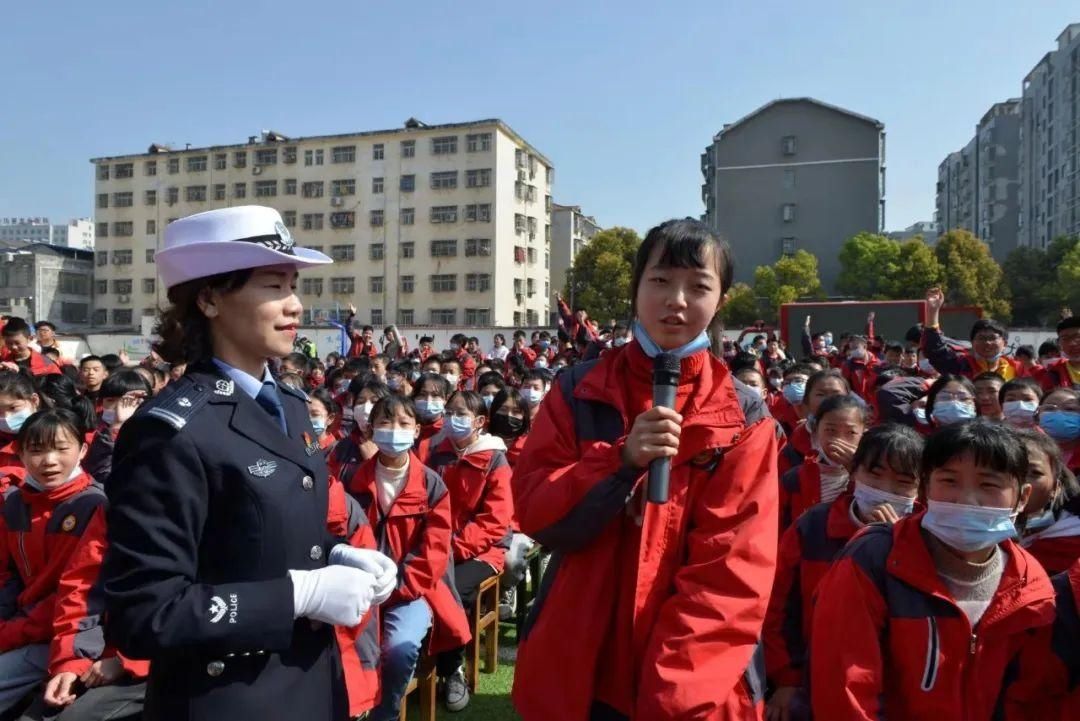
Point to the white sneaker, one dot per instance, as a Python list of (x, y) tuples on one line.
[(457, 691)]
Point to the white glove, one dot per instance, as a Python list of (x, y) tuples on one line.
[(381, 567), (337, 595)]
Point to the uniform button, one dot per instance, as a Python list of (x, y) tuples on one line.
[(308, 483), (215, 668), (316, 553)]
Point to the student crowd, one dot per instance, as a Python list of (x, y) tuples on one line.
[(929, 519)]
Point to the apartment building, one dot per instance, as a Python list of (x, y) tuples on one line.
[(76, 233), (444, 225), (571, 230), (46, 281)]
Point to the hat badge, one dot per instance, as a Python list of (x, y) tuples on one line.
[(283, 233)]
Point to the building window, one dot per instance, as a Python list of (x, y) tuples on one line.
[(478, 213), (405, 316), (478, 142), (787, 246), (313, 157), (519, 190), (103, 172), (519, 223), (150, 168), (150, 197), (311, 286), (477, 316), (103, 200), (289, 216), (196, 163), (376, 185), (443, 316), (343, 154), (408, 249), (345, 219), (121, 257), (219, 191), (240, 190), (789, 179), (444, 146), (532, 318), (266, 156), (121, 316), (172, 195), (444, 214), (479, 178), (519, 254), (148, 285), (788, 145), (443, 283), (375, 284), (312, 221), (376, 218), (531, 223), (787, 212), (151, 227), (408, 216), (343, 252), (530, 193), (376, 316), (124, 170), (532, 257), (343, 187), (195, 193), (408, 283), (101, 287), (377, 251), (174, 166), (313, 189), (289, 154), (477, 247), (221, 161), (408, 148), (377, 151), (265, 188), (477, 282), (530, 284), (123, 229), (519, 158), (444, 180), (240, 159), (407, 184), (343, 286), (149, 255), (443, 248), (101, 316), (74, 312), (290, 186)]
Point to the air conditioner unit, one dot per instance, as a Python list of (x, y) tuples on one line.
[(337, 202), (256, 170)]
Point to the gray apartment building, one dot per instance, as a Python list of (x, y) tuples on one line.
[(978, 187), (795, 174), (39, 281), (1050, 146)]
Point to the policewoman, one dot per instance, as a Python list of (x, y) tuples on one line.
[(219, 568)]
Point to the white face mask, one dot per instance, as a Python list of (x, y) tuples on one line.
[(451, 379), (361, 411)]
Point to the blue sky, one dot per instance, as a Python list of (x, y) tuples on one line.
[(622, 96)]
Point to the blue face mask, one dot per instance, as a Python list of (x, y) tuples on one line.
[(795, 392), (319, 425), (545, 344), (1062, 426), (394, 383), (920, 415), (948, 412), (13, 422), (532, 396), (1039, 521), (651, 349), (969, 528), (488, 400), (1019, 413), (868, 498), (429, 410), (461, 427), (394, 441)]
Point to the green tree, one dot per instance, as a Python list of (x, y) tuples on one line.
[(869, 264), (599, 280), (789, 279), (917, 268), (741, 308), (1033, 285), (972, 277), (1068, 278)]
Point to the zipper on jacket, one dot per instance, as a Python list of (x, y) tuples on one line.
[(932, 647), (22, 553), (974, 642)]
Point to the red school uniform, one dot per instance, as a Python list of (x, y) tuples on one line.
[(416, 533), (800, 490), (889, 641), (798, 447), (11, 466), (1056, 547)]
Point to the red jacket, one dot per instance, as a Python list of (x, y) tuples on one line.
[(77, 623), (1057, 547), (416, 533), (10, 463), (468, 365), (807, 550), (782, 410), (960, 361), (527, 355), (430, 435), (570, 323), (513, 451), (1054, 375), (42, 366), (481, 502), (693, 579), (861, 375), (888, 641), (41, 530), (800, 490), (798, 447)]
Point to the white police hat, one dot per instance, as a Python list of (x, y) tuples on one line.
[(228, 239)]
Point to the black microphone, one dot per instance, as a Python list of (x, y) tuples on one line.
[(665, 379)]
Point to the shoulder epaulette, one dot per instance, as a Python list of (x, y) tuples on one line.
[(293, 392), (178, 403)]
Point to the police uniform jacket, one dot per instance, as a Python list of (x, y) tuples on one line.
[(210, 507)]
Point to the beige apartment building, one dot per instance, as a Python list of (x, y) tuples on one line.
[(445, 225), (571, 230)]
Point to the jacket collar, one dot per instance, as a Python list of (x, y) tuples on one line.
[(413, 497), (839, 524), (56, 495)]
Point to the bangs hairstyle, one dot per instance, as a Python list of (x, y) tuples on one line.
[(322, 395), (368, 383), (45, 429), (491, 378), (441, 384), (821, 377), (834, 404), (683, 243), (512, 394), (388, 407), (939, 385), (182, 327), (1021, 383), (18, 385), (1068, 489), (990, 445), (473, 401), (892, 445), (123, 382)]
